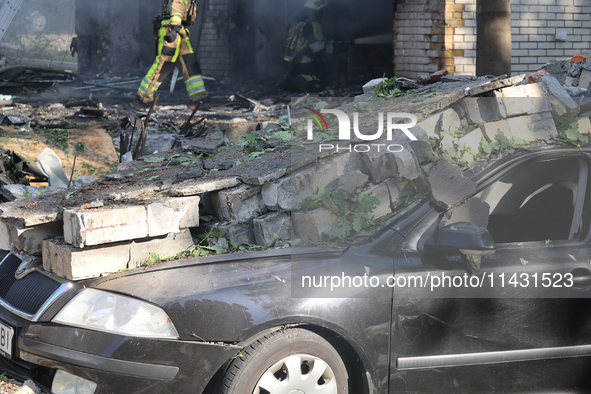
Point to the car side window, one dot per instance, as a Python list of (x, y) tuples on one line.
[(539, 201)]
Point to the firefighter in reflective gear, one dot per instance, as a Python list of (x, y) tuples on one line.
[(307, 49), (174, 49)]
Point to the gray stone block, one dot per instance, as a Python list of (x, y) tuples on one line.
[(523, 100), (422, 145), (311, 225), (472, 140), (350, 184), (75, 264), (30, 239), (238, 233), (101, 226), (473, 210), (584, 126), (448, 186), (271, 227), (370, 87), (240, 204), (480, 109), (382, 193), (559, 97)]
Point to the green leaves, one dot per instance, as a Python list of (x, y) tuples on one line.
[(353, 217), (500, 143), (389, 88)]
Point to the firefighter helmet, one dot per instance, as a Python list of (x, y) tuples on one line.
[(316, 5)]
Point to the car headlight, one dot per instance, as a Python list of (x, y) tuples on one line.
[(108, 312)]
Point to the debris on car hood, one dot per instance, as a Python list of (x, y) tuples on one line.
[(245, 177)]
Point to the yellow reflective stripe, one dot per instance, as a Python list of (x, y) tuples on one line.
[(189, 44), (318, 32), (306, 59), (317, 46), (177, 51), (195, 91), (185, 1), (195, 82), (176, 20)]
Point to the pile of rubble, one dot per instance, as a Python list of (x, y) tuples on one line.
[(263, 185)]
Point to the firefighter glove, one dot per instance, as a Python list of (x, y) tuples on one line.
[(171, 36)]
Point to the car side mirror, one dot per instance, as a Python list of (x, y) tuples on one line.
[(465, 238), (469, 241)]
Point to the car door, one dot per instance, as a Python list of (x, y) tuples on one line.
[(522, 323)]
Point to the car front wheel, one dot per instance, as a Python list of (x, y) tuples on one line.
[(291, 361)]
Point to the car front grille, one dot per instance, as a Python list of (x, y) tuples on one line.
[(26, 295)]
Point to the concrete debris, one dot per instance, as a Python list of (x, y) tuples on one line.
[(28, 387), (473, 211), (522, 100), (478, 109), (75, 264), (441, 122), (448, 186), (272, 227), (311, 225), (382, 193), (559, 68), (240, 204), (260, 190), (51, 165), (370, 87), (528, 128), (350, 184), (238, 233), (192, 188), (559, 97), (13, 192)]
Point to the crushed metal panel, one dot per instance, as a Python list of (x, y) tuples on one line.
[(7, 12)]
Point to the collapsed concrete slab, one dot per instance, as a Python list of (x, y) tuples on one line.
[(195, 187), (448, 185), (75, 264), (478, 110), (559, 97), (522, 100), (88, 227), (473, 210), (29, 239), (528, 128), (438, 123)]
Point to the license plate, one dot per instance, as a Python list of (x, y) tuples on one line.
[(6, 334)]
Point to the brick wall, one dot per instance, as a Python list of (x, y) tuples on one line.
[(215, 52), (418, 37), (460, 37), (534, 27)]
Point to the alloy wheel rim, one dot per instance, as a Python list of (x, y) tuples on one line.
[(297, 374)]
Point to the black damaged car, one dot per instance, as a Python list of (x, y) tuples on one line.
[(425, 304)]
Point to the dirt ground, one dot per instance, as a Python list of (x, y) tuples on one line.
[(93, 146)]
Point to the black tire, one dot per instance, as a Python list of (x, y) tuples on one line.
[(294, 345)]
